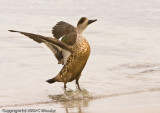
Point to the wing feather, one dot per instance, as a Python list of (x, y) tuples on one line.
[(50, 41), (63, 29)]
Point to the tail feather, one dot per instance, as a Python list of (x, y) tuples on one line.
[(50, 81)]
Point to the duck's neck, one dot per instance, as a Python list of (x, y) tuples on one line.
[(79, 30)]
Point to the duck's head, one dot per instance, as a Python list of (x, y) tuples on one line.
[(83, 23)]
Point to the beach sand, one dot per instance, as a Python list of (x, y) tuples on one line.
[(132, 103)]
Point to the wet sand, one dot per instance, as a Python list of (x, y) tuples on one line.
[(139, 103)]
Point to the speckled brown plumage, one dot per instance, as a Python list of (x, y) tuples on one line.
[(75, 62)]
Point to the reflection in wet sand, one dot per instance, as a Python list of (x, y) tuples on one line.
[(77, 104), (73, 99)]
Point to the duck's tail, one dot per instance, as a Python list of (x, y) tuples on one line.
[(50, 81)]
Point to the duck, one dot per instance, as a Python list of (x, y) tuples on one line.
[(70, 48)]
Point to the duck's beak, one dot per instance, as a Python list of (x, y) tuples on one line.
[(91, 21)]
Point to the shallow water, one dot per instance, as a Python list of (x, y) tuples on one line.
[(124, 58)]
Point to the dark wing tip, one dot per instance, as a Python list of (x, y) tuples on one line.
[(12, 31)]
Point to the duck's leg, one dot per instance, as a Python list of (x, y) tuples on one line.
[(78, 84), (65, 86), (77, 79)]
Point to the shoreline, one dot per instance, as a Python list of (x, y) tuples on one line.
[(146, 102)]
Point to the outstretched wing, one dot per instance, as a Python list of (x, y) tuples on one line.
[(52, 43), (64, 29)]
